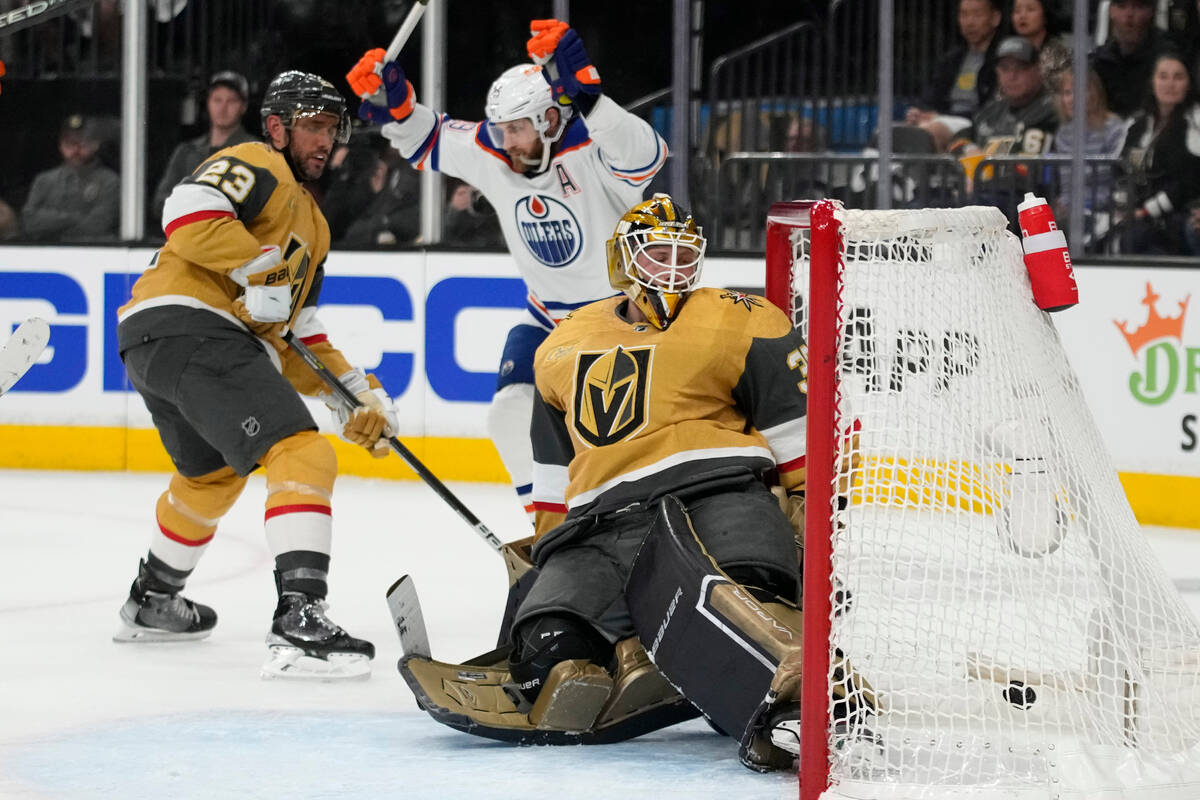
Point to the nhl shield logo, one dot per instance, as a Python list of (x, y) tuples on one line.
[(250, 426), (611, 393), (549, 230)]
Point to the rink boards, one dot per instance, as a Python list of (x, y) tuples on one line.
[(431, 325)]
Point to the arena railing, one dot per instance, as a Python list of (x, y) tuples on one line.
[(1002, 181), (748, 183), (186, 39)]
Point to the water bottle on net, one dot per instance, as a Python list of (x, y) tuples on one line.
[(1047, 257)]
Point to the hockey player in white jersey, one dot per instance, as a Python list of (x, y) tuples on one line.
[(560, 162)]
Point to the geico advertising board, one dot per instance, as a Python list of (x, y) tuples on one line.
[(432, 325)]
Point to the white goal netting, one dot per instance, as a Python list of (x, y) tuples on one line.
[(989, 579)]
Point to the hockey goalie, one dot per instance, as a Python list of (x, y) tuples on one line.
[(663, 579)]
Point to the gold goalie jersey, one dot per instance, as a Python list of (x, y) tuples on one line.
[(241, 199), (623, 410)]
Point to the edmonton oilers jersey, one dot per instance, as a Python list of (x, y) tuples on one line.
[(555, 224)]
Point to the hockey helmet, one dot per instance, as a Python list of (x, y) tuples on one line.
[(521, 92), (295, 94), (654, 256)]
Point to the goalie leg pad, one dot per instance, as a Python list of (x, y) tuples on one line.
[(707, 634), (698, 623), (548, 640), (477, 698)]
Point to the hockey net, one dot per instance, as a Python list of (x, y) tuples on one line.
[(978, 564)]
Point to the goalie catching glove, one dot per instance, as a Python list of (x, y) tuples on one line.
[(366, 78), (268, 285), (370, 424), (578, 80)]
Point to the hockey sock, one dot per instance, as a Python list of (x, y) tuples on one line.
[(187, 515), (299, 523)]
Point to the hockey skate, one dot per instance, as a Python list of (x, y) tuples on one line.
[(304, 644), (155, 612)]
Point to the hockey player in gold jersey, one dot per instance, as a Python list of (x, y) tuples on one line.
[(201, 342), (659, 418)]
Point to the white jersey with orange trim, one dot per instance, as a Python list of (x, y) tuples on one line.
[(556, 223)]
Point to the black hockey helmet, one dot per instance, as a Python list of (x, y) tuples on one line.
[(295, 94)]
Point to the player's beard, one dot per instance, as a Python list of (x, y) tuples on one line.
[(526, 159), (307, 168)]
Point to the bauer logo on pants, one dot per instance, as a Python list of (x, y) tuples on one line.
[(549, 230), (611, 391)]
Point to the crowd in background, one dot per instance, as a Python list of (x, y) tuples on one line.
[(1006, 89), (369, 196)]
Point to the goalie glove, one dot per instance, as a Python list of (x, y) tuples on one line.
[(268, 287), (578, 80), (378, 83), (370, 424)]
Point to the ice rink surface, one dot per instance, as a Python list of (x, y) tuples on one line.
[(82, 717)]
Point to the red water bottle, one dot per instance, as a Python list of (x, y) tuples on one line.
[(1047, 258)]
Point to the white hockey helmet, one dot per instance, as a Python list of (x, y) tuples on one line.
[(521, 92)]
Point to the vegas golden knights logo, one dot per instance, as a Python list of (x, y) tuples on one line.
[(295, 254), (611, 392)]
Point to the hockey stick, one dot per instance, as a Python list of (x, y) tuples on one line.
[(21, 350), (408, 618), (36, 13), (352, 402), (409, 25)]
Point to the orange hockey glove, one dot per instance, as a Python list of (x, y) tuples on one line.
[(544, 35), (379, 83)]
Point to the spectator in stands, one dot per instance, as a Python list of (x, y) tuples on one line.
[(470, 219), (1023, 119), (1040, 22), (10, 225), (1125, 62), (1183, 31), (1191, 231), (1104, 135), (370, 202), (804, 136), (1163, 149), (963, 80), (79, 199), (228, 95)]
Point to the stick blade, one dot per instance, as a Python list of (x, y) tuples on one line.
[(21, 350), (405, 608)]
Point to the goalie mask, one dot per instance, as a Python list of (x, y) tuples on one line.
[(655, 256), (521, 92), (294, 94)]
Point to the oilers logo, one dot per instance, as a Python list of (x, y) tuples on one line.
[(549, 230)]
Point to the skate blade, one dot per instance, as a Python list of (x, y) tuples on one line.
[(291, 663), (136, 634)]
